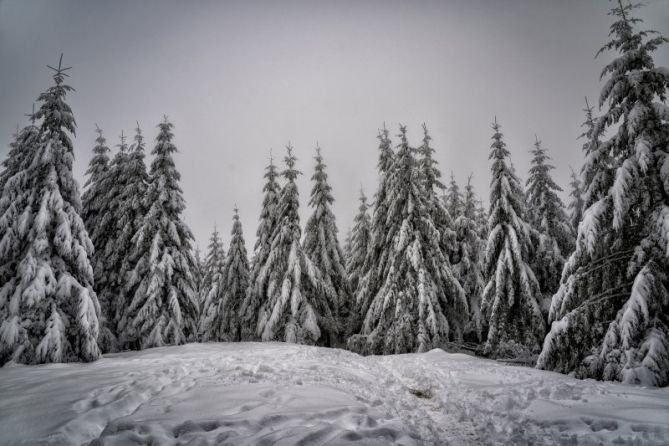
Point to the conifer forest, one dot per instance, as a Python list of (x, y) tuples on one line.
[(533, 311)]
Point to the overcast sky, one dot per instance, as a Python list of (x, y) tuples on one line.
[(239, 78)]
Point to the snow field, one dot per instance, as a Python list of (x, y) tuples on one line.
[(286, 394)]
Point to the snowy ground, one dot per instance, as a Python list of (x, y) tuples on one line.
[(271, 393)]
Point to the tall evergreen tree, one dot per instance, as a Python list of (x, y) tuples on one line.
[(94, 196), (213, 263), (262, 249), (95, 202), (442, 218), (109, 252), (297, 301), (575, 205), (164, 306), (469, 270), (360, 241), (116, 260), (454, 202), (50, 309), (198, 276), (370, 280), (420, 305), (510, 298), (212, 273), (611, 313), (321, 245), (547, 216), (220, 320)]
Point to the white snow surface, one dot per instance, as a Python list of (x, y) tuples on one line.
[(286, 394)]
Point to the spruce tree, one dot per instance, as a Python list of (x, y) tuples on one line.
[(221, 320), (212, 272), (262, 249), (442, 218), (360, 240), (126, 210), (50, 311), (575, 205), (453, 198), (610, 315), (164, 308), (321, 245), (213, 263), (469, 270), (510, 298), (546, 215), (376, 260), (94, 196), (297, 300), (107, 258), (95, 206), (420, 305), (198, 275)]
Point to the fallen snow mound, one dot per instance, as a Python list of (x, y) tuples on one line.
[(284, 394)]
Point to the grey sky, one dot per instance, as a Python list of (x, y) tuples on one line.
[(239, 78)]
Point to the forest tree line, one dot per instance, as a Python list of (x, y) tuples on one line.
[(583, 288)]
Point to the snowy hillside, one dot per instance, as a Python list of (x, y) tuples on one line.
[(271, 393)]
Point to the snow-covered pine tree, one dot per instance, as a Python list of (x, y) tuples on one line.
[(221, 320), (262, 249), (95, 207), (321, 245), (420, 305), (469, 270), (212, 271), (376, 260), (453, 198), (93, 198), (213, 264), (52, 310), (442, 218), (552, 233), (575, 206), (164, 308), (108, 254), (360, 240), (510, 298), (198, 276), (296, 306), (115, 259), (611, 313)]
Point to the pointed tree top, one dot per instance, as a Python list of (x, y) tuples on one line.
[(31, 115), (60, 72), (537, 141)]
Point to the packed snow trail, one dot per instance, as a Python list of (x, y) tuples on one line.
[(286, 394)]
